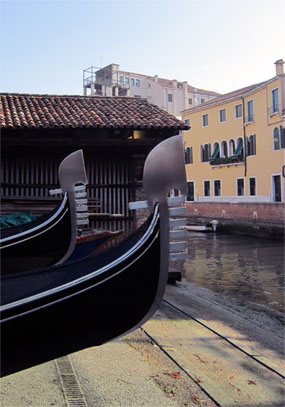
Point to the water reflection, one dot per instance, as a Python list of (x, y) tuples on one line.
[(248, 268)]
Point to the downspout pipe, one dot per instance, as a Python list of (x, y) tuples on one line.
[(244, 137)]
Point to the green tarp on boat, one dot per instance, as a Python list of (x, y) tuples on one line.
[(16, 218)]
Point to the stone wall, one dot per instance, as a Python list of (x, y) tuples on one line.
[(257, 219)]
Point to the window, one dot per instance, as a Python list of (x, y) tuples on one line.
[(187, 121), (132, 82), (276, 184), (127, 80), (224, 149), (179, 85), (252, 186), (121, 80), (222, 115), (217, 187), (238, 111), (239, 149), (205, 120), (274, 101), (276, 139), (250, 111), (240, 186), (202, 100), (231, 147), (188, 155), (169, 97), (251, 145), (138, 83), (207, 188), (282, 136), (190, 191), (205, 152), (190, 101)]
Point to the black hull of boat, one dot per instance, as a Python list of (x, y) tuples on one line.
[(87, 312), (40, 243)]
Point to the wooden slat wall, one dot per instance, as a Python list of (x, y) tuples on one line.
[(109, 188), (28, 177), (109, 183)]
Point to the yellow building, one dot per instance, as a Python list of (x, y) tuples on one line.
[(235, 147)]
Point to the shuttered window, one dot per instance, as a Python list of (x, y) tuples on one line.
[(207, 186), (205, 152), (251, 145), (240, 186), (188, 155), (282, 136), (276, 139)]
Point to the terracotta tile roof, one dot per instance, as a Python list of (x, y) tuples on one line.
[(227, 96), (191, 89), (52, 111)]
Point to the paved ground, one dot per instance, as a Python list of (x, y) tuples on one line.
[(134, 371)]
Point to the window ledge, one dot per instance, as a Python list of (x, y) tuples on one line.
[(226, 165), (274, 114), (247, 123)]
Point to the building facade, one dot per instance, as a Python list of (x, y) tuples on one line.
[(170, 95), (235, 147)]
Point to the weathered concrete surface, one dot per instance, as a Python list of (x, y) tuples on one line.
[(230, 376), (38, 386), (129, 372), (134, 372), (256, 329)]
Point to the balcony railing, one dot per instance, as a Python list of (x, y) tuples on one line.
[(227, 160)]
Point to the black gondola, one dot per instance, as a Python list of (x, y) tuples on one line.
[(51, 238), (51, 312)]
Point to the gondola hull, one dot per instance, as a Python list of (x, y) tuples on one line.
[(86, 313), (40, 243), (93, 243)]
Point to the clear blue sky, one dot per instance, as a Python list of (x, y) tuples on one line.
[(218, 45)]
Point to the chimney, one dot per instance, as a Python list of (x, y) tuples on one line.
[(279, 67)]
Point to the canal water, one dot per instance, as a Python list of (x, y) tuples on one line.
[(250, 269)]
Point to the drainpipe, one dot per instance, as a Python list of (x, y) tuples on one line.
[(244, 137)]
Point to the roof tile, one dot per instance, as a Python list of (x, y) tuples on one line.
[(49, 111)]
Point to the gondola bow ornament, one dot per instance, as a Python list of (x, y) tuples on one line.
[(51, 238)]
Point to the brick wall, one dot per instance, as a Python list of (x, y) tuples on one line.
[(268, 212)]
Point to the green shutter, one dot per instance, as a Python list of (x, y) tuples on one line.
[(238, 149), (209, 151), (282, 136), (254, 144), (247, 146), (215, 153)]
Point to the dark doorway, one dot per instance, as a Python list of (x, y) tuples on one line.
[(190, 191)]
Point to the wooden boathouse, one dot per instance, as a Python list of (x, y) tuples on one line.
[(115, 134)]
